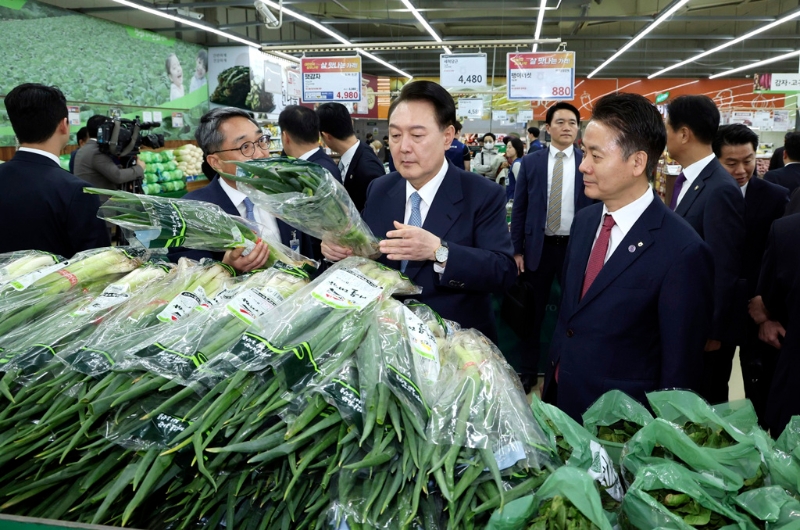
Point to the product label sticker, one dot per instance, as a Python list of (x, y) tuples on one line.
[(509, 454), (25, 281), (254, 303), (423, 346), (347, 289), (182, 304), (602, 470), (112, 296)]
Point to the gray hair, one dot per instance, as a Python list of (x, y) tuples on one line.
[(207, 134)]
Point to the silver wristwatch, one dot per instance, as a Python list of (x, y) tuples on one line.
[(441, 253)]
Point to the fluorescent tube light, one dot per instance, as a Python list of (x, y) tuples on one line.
[(425, 24), (539, 21), (756, 65)]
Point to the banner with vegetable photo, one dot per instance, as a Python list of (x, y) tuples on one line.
[(306, 196), (771, 507), (668, 495), (95, 73), (614, 418)]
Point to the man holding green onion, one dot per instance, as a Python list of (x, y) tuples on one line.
[(445, 228)]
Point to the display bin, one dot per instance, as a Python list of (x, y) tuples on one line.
[(13, 522)]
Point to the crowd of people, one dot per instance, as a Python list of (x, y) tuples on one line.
[(654, 295)]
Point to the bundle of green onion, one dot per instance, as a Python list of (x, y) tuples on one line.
[(161, 222), (307, 197)]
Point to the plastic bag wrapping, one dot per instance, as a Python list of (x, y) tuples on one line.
[(578, 448), (306, 196), (771, 505), (789, 440), (318, 327), (186, 288), (19, 263), (127, 429), (33, 294), (567, 483), (661, 441), (740, 413), (613, 419), (176, 351), (693, 498)]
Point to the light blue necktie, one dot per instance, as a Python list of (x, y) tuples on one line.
[(414, 220), (248, 210)]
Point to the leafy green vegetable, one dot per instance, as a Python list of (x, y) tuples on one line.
[(619, 432), (692, 512), (558, 513)]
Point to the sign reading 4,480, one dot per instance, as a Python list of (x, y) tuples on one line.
[(541, 75)]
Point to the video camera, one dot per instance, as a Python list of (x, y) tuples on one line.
[(122, 138)]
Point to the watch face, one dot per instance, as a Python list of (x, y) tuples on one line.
[(441, 254)]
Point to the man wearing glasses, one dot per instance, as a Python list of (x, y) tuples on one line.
[(227, 135)]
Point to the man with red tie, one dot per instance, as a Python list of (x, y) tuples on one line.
[(638, 280)]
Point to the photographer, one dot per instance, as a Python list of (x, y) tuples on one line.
[(100, 169)]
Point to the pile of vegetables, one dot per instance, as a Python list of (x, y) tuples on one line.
[(161, 172), (190, 159), (233, 87)]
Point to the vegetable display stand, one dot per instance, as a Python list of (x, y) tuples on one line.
[(12, 522)]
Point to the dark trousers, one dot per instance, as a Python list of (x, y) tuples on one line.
[(758, 361), (539, 283), (717, 366)]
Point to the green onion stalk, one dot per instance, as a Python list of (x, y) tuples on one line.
[(307, 197), (160, 222), (16, 264)]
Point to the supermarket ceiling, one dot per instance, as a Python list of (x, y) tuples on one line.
[(594, 29)]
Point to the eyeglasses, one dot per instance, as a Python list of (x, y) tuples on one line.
[(249, 148)]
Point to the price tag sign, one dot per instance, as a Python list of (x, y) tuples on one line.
[(499, 115), (331, 78), (541, 76), (470, 108), (524, 115), (462, 70), (293, 84)]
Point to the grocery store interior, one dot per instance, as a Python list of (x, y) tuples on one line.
[(160, 410)]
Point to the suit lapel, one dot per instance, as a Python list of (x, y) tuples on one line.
[(353, 162), (632, 246), (222, 198), (395, 211), (540, 186), (578, 176), (752, 197), (582, 241), (696, 188)]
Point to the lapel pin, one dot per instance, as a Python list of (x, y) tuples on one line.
[(640, 244), (631, 249), (697, 187)]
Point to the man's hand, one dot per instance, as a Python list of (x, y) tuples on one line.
[(410, 243), (140, 163), (713, 345), (334, 252), (256, 259), (504, 165), (758, 311), (771, 332), (520, 259)]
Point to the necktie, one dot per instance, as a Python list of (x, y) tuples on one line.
[(676, 191), (341, 167), (414, 220), (598, 256), (554, 203), (248, 209)]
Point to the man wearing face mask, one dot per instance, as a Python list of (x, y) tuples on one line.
[(226, 135), (488, 161)]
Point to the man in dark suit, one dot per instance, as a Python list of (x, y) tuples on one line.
[(637, 298), (735, 148), (533, 140), (779, 287), (226, 135), (358, 163), (776, 160), (43, 207), (82, 136), (794, 203), (300, 137), (548, 194), (789, 175), (444, 227), (708, 198)]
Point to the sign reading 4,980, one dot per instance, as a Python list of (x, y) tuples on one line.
[(462, 70), (331, 78), (541, 75)]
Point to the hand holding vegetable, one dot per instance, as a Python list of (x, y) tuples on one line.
[(410, 243), (334, 252), (256, 259)]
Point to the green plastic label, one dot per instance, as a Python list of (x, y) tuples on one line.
[(16, 5)]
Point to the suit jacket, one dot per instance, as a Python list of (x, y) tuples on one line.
[(363, 169), (776, 160), (468, 213), (529, 213), (794, 203), (715, 208), (644, 321), (321, 157), (536, 145), (779, 285), (99, 170), (764, 202), (787, 176), (214, 194), (43, 207), (72, 161)]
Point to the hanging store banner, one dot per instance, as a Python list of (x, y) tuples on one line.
[(541, 76), (763, 120), (524, 115), (293, 87), (745, 117), (462, 70), (470, 108), (499, 115), (331, 78), (780, 120), (781, 83)]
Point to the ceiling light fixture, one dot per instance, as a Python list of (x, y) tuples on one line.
[(762, 29), (664, 16), (188, 22), (539, 21), (425, 24), (672, 88), (757, 64), (327, 31)]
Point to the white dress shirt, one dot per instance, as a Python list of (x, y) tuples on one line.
[(51, 156), (427, 193), (692, 172), (266, 221), (624, 219), (744, 188), (306, 156), (346, 158), (567, 188)]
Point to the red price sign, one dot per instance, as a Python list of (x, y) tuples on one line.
[(541, 76), (331, 78)]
